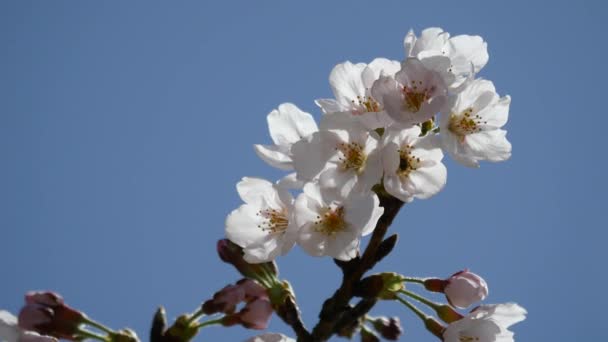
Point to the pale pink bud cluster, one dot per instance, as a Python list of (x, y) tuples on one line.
[(47, 314), (256, 312)]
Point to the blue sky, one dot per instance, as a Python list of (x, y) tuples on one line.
[(124, 127)]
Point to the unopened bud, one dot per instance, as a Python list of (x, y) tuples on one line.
[(232, 254), (448, 314), (47, 314), (388, 328), (465, 288)]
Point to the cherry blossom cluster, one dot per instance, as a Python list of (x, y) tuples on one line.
[(384, 133), (387, 129), (379, 144)]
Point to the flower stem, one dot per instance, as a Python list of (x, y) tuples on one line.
[(421, 299), (92, 335), (98, 325), (211, 322), (196, 315), (424, 317), (414, 280)]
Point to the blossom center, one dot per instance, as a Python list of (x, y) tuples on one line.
[(415, 95), (407, 161), (331, 221), (273, 221), (353, 157), (465, 123), (366, 104)]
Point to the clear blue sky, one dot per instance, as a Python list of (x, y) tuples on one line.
[(124, 126)]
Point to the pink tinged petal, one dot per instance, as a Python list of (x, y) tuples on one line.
[(288, 124), (275, 156), (256, 314), (228, 298), (465, 288), (252, 289), (50, 299), (346, 83), (32, 316), (489, 145)]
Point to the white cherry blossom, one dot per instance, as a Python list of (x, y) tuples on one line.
[(487, 323), (264, 226), (351, 85), (467, 54), (11, 332), (470, 127), (332, 224), (346, 158), (286, 125), (415, 94), (412, 164)]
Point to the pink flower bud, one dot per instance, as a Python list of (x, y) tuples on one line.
[(256, 314), (230, 296), (465, 288), (47, 314), (233, 254), (225, 300)]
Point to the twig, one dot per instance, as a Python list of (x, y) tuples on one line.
[(335, 307)]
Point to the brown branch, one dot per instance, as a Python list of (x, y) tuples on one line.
[(336, 307)]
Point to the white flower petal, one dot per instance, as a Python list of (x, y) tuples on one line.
[(329, 106), (290, 182), (288, 124), (242, 226), (274, 155), (255, 191), (469, 49), (346, 83), (490, 145)]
